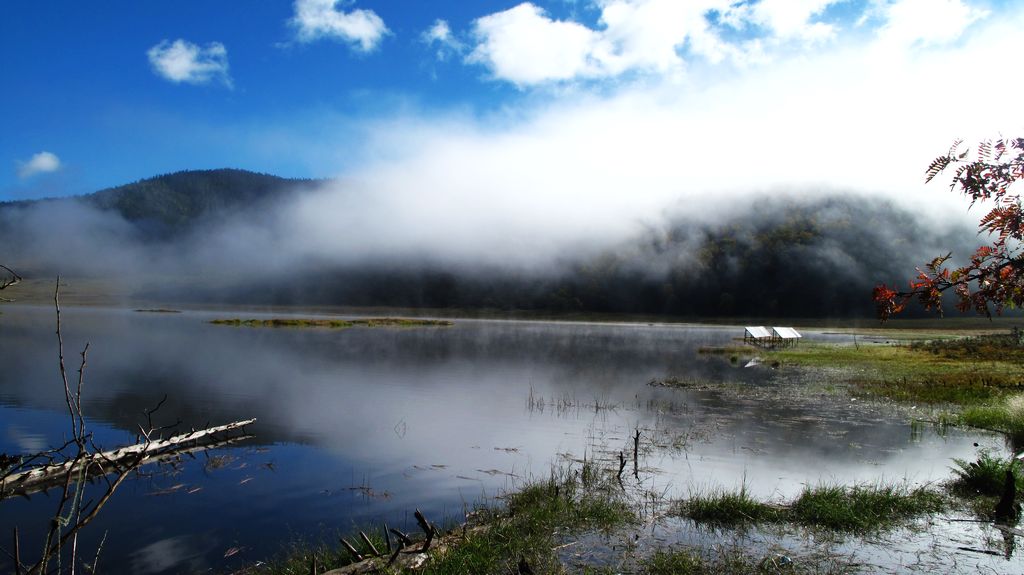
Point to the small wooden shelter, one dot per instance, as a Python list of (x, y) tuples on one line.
[(785, 336), (757, 335)]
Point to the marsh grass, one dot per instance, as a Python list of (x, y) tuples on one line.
[(984, 476), (915, 373), (859, 508), (1006, 415), (333, 323), (728, 508), (982, 376), (863, 508), (534, 520)]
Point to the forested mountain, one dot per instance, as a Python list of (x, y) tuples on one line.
[(777, 257), (211, 236), (167, 205)]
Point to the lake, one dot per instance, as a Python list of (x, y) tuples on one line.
[(362, 425)]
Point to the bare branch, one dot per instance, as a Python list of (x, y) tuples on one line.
[(63, 370), (9, 281)]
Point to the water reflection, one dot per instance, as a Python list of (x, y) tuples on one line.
[(365, 424)]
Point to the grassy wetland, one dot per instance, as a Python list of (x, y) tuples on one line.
[(564, 447), (974, 380), (931, 379)]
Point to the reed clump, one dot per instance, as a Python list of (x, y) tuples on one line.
[(858, 508), (534, 519), (985, 476), (728, 508)]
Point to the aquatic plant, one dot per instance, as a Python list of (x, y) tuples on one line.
[(842, 508), (728, 508), (985, 476), (863, 507)]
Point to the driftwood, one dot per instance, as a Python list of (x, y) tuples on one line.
[(67, 468), (102, 463)]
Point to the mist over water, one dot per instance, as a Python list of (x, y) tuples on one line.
[(362, 425)]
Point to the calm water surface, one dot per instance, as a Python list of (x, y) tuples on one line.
[(366, 424)]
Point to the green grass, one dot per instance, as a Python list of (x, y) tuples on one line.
[(332, 323), (728, 508), (1006, 415), (975, 374), (863, 508), (982, 377), (528, 527), (852, 509)]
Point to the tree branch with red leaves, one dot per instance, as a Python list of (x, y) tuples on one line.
[(994, 278)]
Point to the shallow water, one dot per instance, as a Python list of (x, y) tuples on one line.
[(366, 424)]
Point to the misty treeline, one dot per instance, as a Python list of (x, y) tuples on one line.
[(797, 258), (799, 255)]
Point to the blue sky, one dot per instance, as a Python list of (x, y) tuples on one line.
[(100, 94)]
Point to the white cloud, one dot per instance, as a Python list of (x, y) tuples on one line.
[(579, 173), (525, 46), (315, 19), (647, 34), (927, 22), (182, 61), (440, 37), (792, 19), (41, 163)]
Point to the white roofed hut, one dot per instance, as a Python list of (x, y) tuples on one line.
[(785, 336), (757, 335)]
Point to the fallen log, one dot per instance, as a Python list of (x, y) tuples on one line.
[(104, 462)]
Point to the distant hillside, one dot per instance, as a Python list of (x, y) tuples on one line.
[(213, 237), (774, 258), (166, 205)]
